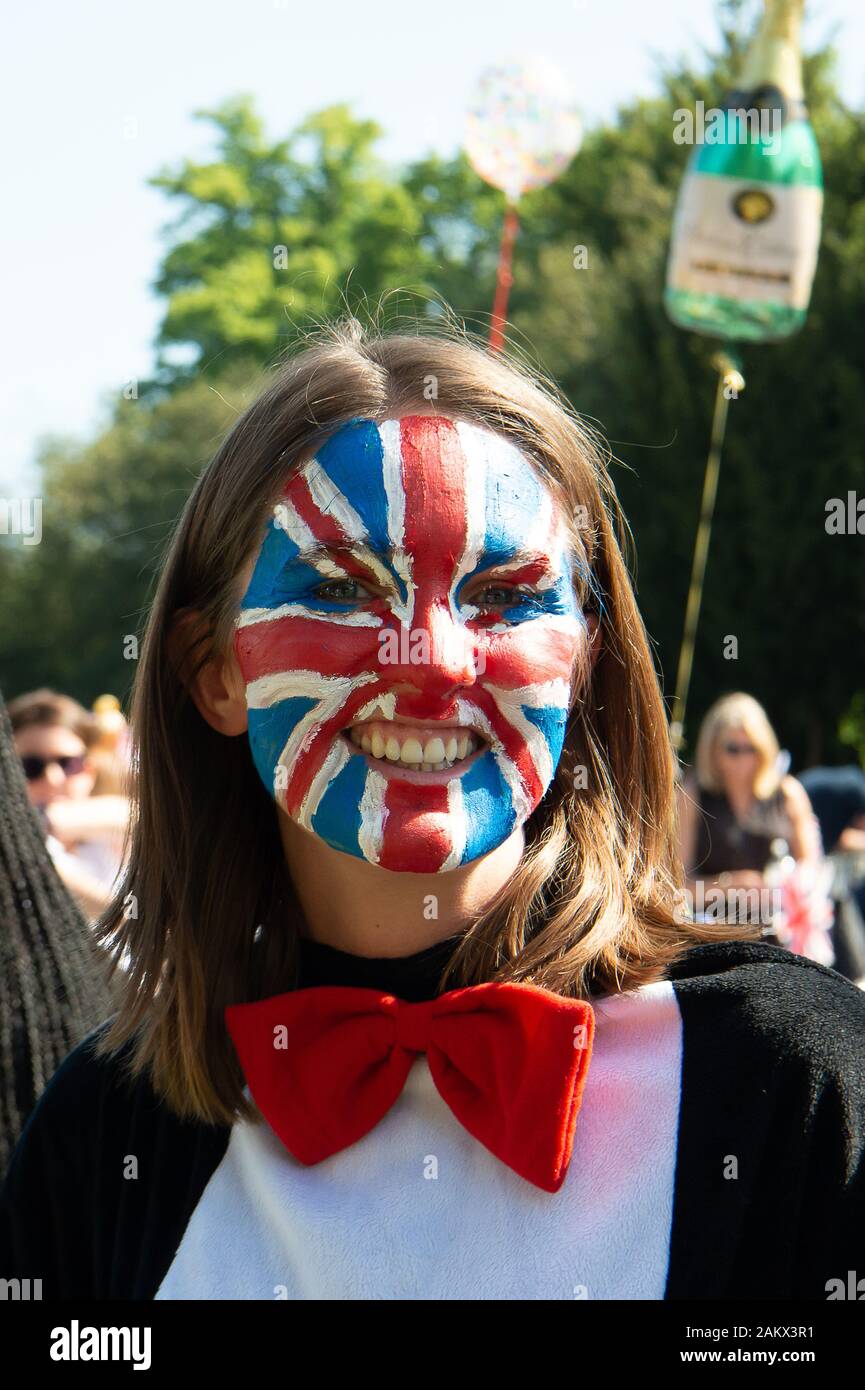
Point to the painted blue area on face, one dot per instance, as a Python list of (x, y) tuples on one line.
[(513, 496), (559, 599), (276, 549), (337, 818), (269, 731), (279, 577), (488, 806), (353, 459), (351, 465), (552, 721)]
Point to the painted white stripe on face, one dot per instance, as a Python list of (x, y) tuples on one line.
[(389, 433), (553, 694), (250, 616), (330, 693), (337, 757), (561, 622), (289, 520), (331, 502), (470, 714), (370, 836), (475, 445), (382, 707), (456, 814)]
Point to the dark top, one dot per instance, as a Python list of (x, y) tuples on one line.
[(413, 978), (725, 844), (838, 798)]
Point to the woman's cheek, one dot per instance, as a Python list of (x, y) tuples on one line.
[(542, 650), (261, 653)]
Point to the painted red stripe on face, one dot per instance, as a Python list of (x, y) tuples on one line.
[(304, 644), (321, 741), (513, 742), (434, 480), (434, 485), (322, 524), (528, 573), (530, 654), (415, 841)]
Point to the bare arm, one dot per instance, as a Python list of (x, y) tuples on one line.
[(806, 847), (852, 838), (90, 819)]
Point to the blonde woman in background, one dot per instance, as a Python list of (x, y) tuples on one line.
[(738, 803)]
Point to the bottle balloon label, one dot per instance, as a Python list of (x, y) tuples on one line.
[(747, 249)]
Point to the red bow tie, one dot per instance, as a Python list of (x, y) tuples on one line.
[(324, 1065)]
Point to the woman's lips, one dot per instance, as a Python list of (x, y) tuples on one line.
[(421, 751)]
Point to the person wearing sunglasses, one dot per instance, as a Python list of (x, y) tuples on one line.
[(739, 812), (53, 737)]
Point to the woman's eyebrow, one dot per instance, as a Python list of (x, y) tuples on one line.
[(532, 558), (522, 559), (308, 555)]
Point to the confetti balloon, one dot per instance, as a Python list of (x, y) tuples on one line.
[(523, 129)]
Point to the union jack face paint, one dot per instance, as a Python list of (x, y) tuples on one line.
[(368, 617)]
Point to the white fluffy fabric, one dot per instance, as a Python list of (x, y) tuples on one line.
[(418, 1209)]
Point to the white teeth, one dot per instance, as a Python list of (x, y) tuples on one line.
[(436, 755), (411, 751)]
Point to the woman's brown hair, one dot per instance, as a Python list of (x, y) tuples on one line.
[(206, 915)]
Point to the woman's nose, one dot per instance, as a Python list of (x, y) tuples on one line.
[(54, 775), (437, 654)]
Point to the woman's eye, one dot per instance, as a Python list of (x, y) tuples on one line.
[(342, 591), (500, 596)]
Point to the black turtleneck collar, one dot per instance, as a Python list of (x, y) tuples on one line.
[(413, 978)]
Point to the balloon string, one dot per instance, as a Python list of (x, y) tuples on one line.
[(504, 278), (730, 382)]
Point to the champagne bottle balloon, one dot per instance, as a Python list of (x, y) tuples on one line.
[(746, 231)]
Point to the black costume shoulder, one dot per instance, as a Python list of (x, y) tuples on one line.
[(770, 1181), (102, 1182)]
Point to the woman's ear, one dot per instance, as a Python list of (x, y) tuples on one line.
[(216, 688)]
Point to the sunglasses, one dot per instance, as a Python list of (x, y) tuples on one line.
[(34, 768), (734, 749)]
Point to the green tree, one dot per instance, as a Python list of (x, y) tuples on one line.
[(72, 603), (272, 234)]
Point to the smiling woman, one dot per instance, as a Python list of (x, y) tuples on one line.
[(409, 1001)]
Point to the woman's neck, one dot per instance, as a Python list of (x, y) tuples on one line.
[(357, 907)]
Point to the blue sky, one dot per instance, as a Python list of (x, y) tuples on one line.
[(99, 94)]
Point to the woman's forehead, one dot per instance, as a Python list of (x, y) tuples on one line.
[(417, 478)]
